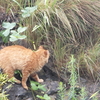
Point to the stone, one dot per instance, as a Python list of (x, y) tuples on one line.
[(17, 92), (51, 86)]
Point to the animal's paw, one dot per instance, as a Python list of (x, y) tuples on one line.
[(17, 81), (25, 87), (40, 80)]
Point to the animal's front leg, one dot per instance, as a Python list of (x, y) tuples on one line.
[(35, 76)]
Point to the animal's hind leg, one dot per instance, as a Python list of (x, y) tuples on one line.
[(10, 73), (36, 77)]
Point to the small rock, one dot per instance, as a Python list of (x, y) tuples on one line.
[(52, 87)]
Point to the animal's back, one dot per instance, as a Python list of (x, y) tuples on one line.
[(17, 56)]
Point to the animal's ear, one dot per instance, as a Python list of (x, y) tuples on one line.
[(40, 47), (46, 53)]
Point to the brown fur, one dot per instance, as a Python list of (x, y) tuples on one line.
[(20, 58)]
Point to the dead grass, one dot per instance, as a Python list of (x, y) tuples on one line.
[(74, 22)]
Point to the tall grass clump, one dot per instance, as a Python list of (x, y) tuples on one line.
[(59, 50), (89, 61), (67, 20), (15, 5), (74, 22)]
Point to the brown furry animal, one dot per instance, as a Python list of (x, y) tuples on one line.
[(20, 58)]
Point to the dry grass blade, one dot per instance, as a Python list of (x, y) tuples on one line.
[(90, 60)]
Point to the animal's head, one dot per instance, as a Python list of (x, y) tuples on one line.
[(45, 53)]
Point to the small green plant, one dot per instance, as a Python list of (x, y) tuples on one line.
[(3, 96), (4, 39), (37, 86), (62, 91), (44, 97), (16, 34), (3, 80), (13, 35), (83, 94), (18, 72), (73, 78), (8, 26), (76, 92), (26, 12)]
